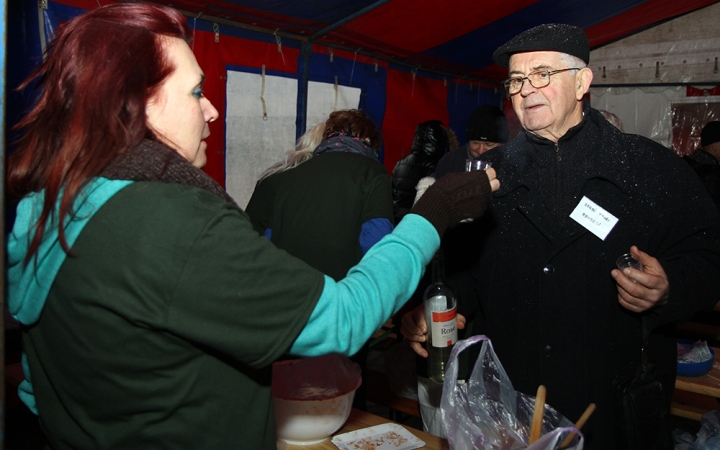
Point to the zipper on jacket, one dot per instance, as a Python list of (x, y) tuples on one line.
[(557, 151)]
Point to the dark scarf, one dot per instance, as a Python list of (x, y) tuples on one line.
[(153, 161), (340, 142)]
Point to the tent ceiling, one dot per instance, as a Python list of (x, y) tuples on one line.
[(457, 37)]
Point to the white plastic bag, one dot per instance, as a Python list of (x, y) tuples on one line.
[(708, 438), (486, 413)]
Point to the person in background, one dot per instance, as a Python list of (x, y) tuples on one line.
[(303, 151), (429, 145), (151, 310), (331, 209), (550, 298), (452, 138), (487, 129), (705, 161), (613, 119)]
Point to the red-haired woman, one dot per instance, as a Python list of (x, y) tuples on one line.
[(152, 311)]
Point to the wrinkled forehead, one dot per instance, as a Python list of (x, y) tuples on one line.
[(526, 62)]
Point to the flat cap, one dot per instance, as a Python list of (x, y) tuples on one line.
[(553, 37)]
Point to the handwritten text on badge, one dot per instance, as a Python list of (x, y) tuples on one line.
[(591, 216)]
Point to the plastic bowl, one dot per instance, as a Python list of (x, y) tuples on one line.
[(307, 422), (313, 397), (694, 369)]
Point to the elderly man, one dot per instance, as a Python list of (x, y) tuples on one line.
[(577, 193)]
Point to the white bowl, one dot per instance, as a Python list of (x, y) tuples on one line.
[(307, 422), (313, 397)]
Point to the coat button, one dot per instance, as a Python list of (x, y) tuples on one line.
[(549, 269), (548, 350)]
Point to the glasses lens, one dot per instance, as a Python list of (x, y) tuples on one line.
[(513, 85), (540, 79)]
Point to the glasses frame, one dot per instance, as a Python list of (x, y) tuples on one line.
[(549, 73)]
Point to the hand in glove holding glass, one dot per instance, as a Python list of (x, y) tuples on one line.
[(455, 197)]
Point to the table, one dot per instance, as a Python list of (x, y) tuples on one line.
[(694, 396), (361, 419)]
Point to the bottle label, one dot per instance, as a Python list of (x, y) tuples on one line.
[(444, 328)]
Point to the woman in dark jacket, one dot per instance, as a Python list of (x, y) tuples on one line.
[(430, 144)]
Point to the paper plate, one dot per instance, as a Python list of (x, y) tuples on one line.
[(388, 436)]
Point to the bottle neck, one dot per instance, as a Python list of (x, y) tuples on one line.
[(438, 267)]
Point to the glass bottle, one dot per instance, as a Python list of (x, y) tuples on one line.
[(441, 317)]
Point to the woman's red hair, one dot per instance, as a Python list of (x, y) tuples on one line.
[(98, 74)]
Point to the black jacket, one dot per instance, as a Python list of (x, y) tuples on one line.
[(453, 161), (707, 168), (429, 145), (546, 297)]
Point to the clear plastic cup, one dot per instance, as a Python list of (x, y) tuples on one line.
[(476, 164), (627, 260)]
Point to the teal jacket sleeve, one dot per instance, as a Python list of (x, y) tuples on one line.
[(350, 310)]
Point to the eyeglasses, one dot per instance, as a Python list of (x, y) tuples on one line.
[(538, 80)]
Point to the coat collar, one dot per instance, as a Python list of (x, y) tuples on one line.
[(604, 144)]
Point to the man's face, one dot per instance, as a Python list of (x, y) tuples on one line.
[(477, 148), (713, 149), (552, 110)]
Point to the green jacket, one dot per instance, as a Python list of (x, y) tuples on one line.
[(161, 330)]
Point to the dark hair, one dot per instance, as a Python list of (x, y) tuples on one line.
[(98, 74), (710, 133), (353, 122)]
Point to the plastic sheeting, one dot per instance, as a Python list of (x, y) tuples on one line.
[(671, 116)]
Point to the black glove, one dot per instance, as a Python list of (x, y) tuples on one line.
[(454, 197)]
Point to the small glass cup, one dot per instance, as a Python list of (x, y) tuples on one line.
[(627, 260), (476, 164)]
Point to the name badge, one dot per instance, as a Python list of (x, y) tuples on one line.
[(593, 217)]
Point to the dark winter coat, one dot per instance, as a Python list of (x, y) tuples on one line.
[(453, 161), (546, 297), (707, 168), (429, 145)]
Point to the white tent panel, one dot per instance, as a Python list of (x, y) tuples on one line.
[(324, 98), (254, 143)]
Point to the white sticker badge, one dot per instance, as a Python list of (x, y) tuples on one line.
[(593, 217)]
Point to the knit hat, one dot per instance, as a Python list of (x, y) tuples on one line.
[(710, 133), (553, 37), (488, 123)]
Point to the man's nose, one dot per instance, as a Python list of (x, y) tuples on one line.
[(527, 87)]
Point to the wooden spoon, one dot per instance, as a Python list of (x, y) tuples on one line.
[(581, 421), (538, 413)]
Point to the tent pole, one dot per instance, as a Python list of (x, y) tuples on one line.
[(347, 19), (3, 36), (301, 116), (301, 39), (635, 85)]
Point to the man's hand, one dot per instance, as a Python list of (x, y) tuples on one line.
[(414, 328), (651, 285)]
